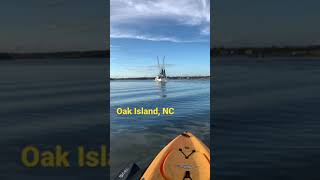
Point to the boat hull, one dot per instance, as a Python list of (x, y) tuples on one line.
[(161, 79)]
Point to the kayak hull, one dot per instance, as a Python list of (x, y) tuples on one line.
[(185, 157)]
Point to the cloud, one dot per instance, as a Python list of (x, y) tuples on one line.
[(154, 19), (205, 30), (152, 38), (114, 46)]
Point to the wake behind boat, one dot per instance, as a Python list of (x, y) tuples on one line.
[(161, 77)]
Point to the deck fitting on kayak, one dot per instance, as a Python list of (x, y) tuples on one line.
[(186, 156), (185, 134), (187, 175)]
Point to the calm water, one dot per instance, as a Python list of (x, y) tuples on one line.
[(50, 102), (265, 123), (266, 118), (139, 138)]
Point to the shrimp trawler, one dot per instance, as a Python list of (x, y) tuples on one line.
[(161, 77)]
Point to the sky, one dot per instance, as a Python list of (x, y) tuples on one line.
[(53, 25), (266, 23), (141, 30), (64, 25)]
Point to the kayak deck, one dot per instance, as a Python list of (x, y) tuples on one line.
[(185, 157)]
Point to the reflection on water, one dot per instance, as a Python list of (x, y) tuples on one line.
[(138, 138), (266, 118), (162, 86), (48, 102)]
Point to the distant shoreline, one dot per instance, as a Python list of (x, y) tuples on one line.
[(261, 52), (173, 77), (46, 55), (273, 51)]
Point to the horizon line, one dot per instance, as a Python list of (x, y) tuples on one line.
[(108, 49), (152, 77)]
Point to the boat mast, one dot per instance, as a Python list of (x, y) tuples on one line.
[(159, 66), (158, 62), (163, 66)]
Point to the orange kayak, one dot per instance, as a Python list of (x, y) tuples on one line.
[(185, 157)]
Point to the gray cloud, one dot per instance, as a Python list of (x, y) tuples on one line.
[(191, 13)]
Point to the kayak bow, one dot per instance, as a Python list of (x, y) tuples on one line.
[(185, 157)]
